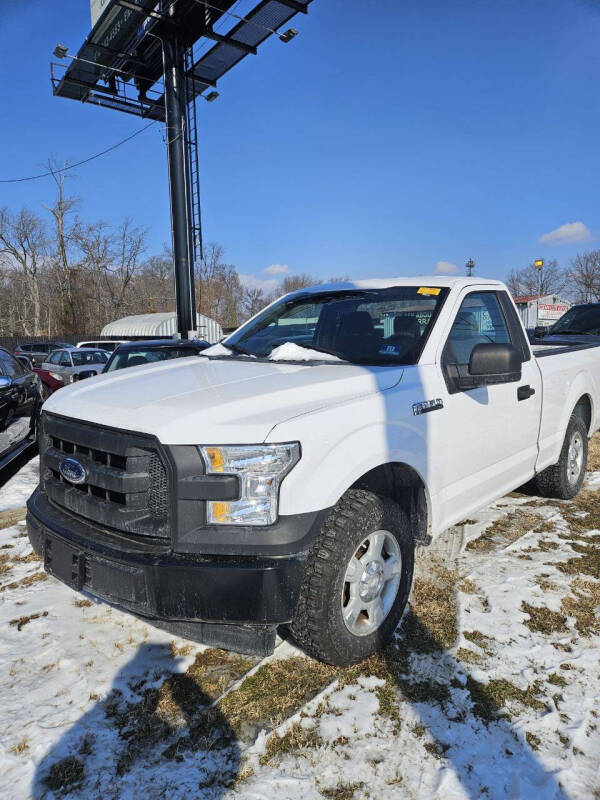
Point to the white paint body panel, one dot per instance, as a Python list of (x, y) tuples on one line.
[(350, 419)]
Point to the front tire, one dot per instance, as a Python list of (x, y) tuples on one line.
[(357, 580), (564, 479)]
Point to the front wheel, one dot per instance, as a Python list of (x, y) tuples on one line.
[(357, 580), (564, 479)]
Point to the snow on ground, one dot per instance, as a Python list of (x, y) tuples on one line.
[(491, 690), (16, 491)]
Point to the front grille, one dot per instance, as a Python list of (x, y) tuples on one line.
[(126, 486)]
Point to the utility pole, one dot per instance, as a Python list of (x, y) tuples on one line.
[(470, 265), (179, 184), (539, 265)]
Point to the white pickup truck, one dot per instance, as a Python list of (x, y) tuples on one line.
[(285, 476)]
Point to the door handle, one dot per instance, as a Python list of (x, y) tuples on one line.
[(525, 392)]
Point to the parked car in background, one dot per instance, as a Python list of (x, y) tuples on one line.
[(37, 352), (66, 366), (132, 354), (580, 325), (20, 403), (99, 344)]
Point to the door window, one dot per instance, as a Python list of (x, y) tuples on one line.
[(480, 320), (10, 365)]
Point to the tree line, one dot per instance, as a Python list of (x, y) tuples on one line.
[(60, 275)]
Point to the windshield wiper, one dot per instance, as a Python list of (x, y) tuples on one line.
[(235, 348)]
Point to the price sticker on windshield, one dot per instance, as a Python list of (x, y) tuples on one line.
[(431, 290)]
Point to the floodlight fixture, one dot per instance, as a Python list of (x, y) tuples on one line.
[(210, 97), (288, 35), (60, 51)]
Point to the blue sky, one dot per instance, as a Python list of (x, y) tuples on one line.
[(387, 137)]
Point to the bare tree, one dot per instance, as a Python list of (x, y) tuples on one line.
[(254, 300), (23, 246), (584, 274), (525, 281), (62, 211)]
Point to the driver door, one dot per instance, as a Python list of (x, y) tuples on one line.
[(487, 436)]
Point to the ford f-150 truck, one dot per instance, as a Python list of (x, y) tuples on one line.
[(285, 476)]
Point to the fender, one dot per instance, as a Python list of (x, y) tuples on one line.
[(336, 452)]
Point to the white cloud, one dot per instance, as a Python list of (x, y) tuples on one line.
[(252, 282), (569, 233), (277, 269), (445, 268)]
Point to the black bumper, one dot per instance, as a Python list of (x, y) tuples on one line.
[(151, 581)]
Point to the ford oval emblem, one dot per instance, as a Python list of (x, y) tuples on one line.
[(72, 470)]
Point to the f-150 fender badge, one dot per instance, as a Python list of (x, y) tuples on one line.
[(426, 406)]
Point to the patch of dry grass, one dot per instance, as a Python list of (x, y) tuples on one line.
[(593, 462), (12, 516), (182, 702), (20, 747), (489, 699), (343, 791), (28, 580), (20, 622), (297, 740), (506, 530), (582, 604), (469, 657), (543, 620), (274, 692), (65, 774)]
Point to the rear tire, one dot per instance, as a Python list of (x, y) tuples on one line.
[(357, 580), (564, 479)]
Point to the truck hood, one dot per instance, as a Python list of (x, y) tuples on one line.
[(195, 400)]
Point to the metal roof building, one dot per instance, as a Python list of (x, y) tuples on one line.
[(540, 310), (156, 326)]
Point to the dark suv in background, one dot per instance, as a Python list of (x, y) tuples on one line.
[(20, 403), (37, 352)]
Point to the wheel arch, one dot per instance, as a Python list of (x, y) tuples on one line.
[(585, 410), (403, 484)]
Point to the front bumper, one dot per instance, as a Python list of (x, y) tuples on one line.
[(151, 581)]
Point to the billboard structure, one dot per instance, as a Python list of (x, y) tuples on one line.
[(153, 58)]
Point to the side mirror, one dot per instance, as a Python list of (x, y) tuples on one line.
[(540, 331), (5, 382), (495, 363)]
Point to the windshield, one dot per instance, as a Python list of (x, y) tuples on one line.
[(132, 358), (83, 357), (579, 320), (374, 326)]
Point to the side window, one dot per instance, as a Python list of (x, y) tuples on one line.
[(10, 365), (480, 320)]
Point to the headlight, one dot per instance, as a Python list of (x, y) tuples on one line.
[(260, 469), (57, 376)]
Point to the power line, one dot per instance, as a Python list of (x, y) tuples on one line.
[(79, 163)]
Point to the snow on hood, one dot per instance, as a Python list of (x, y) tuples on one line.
[(197, 400), (293, 352)]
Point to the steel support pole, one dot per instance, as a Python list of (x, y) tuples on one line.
[(179, 185)]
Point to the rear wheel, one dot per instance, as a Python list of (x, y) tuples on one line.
[(565, 478), (357, 580)]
